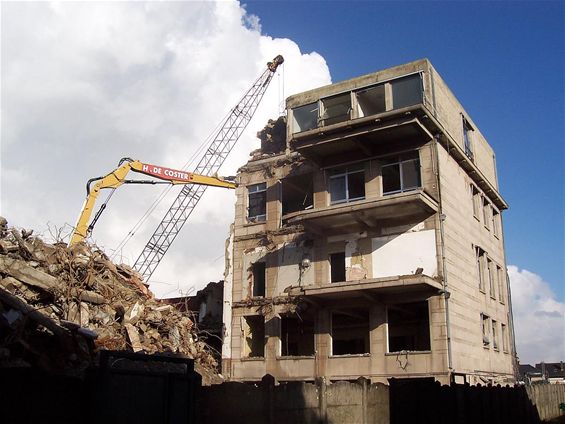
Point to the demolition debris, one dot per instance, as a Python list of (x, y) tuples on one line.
[(60, 305)]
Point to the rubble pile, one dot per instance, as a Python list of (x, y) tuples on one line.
[(59, 305)]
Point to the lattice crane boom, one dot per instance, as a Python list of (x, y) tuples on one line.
[(219, 148)]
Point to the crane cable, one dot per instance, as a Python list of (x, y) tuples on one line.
[(204, 145), (199, 150)]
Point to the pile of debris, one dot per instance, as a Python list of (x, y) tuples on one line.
[(59, 305)]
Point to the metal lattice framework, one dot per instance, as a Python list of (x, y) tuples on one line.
[(215, 155)]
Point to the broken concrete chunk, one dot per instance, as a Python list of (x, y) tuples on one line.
[(133, 337), (28, 275), (84, 314), (133, 314)]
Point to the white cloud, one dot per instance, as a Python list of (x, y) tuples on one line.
[(87, 83), (539, 318)]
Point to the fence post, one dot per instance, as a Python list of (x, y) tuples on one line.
[(364, 382), (268, 385), (322, 401)]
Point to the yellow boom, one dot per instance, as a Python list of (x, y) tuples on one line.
[(117, 177)]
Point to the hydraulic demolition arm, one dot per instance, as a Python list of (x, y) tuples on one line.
[(118, 177)]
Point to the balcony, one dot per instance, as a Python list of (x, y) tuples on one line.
[(384, 289), (365, 214)]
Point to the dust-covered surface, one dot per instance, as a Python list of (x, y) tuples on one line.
[(59, 306)]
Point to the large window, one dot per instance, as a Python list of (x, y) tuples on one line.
[(305, 117), (406, 91), (366, 101), (371, 101), (408, 327), (347, 184), (297, 336), (257, 202), (350, 332), (401, 173), (254, 335), (336, 109)]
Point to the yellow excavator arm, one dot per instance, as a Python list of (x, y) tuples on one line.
[(118, 177)]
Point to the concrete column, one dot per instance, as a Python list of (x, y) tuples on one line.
[(323, 342), (378, 338)]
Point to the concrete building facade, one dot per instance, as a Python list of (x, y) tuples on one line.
[(368, 240)]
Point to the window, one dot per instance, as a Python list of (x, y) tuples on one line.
[(350, 332), (257, 202), (495, 222), (501, 283), (476, 196), (336, 109), (347, 184), (297, 336), (408, 327), (305, 117), (504, 335), (468, 138), (401, 173), (337, 267), (486, 213), (491, 278), (259, 271), (371, 101), (481, 258), (297, 193), (254, 335), (406, 91), (485, 330), (494, 334)]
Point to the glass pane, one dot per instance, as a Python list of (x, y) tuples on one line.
[(336, 109), (406, 91), (391, 178), (337, 189), (371, 101), (305, 117), (257, 204), (411, 174), (356, 185)]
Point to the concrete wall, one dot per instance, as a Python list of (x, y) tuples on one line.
[(295, 402), (547, 398), (463, 231)]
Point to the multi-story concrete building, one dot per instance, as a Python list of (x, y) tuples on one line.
[(368, 240)]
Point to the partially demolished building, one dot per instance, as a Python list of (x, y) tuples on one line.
[(368, 240)]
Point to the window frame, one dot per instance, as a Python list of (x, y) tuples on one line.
[(502, 284), (485, 330), (347, 171), (400, 163), (255, 272), (494, 332), (480, 255), (467, 138), (504, 336), (491, 268), (262, 191)]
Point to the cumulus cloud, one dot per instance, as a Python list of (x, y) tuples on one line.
[(87, 83), (538, 318)]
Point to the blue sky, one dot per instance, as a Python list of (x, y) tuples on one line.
[(505, 63)]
